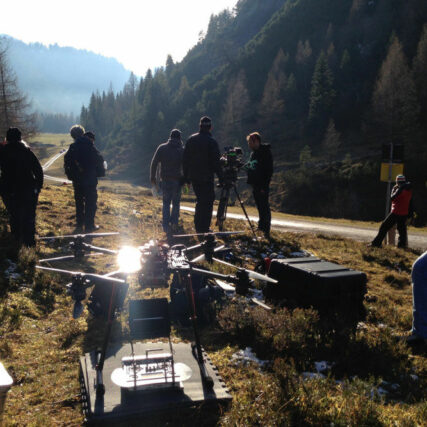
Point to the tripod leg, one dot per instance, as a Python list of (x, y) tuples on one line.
[(221, 213), (246, 214)]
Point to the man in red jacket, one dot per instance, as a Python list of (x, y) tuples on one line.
[(401, 196)]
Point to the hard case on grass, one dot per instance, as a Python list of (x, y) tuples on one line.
[(314, 282)]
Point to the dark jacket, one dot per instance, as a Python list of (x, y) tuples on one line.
[(20, 169), (261, 174), (201, 158), (83, 163), (169, 155)]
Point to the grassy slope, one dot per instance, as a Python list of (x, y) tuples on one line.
[(40, 344)]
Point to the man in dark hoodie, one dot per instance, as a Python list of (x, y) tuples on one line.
[(83, 165), (169, 157), (200, 163), (20, 184), (259, 172)]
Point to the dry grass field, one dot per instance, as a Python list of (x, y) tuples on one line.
[(373, 378)]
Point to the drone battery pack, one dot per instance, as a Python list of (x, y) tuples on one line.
[(314, 282)]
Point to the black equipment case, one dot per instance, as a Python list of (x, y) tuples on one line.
[(311, 281)]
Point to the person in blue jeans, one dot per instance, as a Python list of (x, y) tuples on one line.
[(419, 295), (169, 157)]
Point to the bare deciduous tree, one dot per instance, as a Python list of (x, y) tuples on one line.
[(13, 104)]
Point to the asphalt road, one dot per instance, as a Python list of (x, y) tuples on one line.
[(415, 240), (364, 234)]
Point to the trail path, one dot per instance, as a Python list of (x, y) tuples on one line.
[(49, 163), (364, 234)]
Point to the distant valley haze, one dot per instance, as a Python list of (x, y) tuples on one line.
[(61, 55), (61, 79)]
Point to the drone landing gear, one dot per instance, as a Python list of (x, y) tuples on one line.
[(140, 379), (196, 347)]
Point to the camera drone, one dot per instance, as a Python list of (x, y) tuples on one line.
[(146, 368)]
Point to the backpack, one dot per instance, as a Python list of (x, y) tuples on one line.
[(71, 166)]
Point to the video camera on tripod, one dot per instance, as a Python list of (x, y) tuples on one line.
[(231, 162)]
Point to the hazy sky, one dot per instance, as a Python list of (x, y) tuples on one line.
[(138, 33)]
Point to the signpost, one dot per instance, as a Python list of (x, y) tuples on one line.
[(391, 166)]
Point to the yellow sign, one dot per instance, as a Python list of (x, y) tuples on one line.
[(396, 169)]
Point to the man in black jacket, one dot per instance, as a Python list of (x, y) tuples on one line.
[(200, 163), (169, 156), (20, 184), (83, 165), (259, 176)]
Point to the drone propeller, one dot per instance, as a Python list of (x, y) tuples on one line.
[(93, 278), (67, 257), (252, 274), (73, 236), (214, 233), (227, 288), (202, 257), (81, 281)]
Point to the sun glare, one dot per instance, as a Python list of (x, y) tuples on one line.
[(129, 259)]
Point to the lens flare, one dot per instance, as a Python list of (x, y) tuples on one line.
[(129, 259)]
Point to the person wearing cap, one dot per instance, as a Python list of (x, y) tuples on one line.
[(200, 164), (83, 164), (401, 196), (20, 183), (259, 177), (169, 157)]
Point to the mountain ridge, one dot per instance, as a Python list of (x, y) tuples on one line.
[(53, 82)]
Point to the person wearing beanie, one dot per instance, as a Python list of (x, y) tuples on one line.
[(168, 157), (83, 165), (20, 183), (200, 163), (259, 177), (401, 196)]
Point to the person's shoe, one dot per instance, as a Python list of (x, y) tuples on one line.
[(372, 245), (92, 228), (78, 229)]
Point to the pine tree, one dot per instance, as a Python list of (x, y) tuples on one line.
[(322, 93), (331, 141), (420, 71), (169, 65), (305, 157), (395, 104)]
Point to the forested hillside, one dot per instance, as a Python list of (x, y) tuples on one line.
[(59, 80), (325, 82)]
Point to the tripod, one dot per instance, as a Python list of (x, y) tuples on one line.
[(223, 204)]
